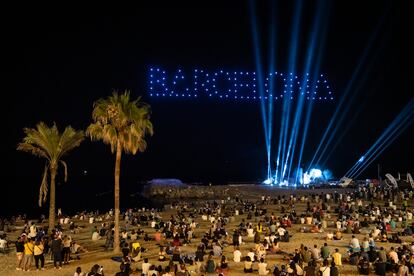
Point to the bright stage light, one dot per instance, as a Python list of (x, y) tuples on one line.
[(311, 176), (316, 173), (361, 159), (268, 181)]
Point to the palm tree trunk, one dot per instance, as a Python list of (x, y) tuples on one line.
[(116, 195), (52, 198)]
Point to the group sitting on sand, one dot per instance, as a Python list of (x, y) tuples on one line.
[(233, 235)]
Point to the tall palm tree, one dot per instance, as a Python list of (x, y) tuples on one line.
[(47, 142), (122, 124)]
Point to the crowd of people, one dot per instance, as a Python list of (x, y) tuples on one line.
[(243, 235)]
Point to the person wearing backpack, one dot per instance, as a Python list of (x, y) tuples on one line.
[(325, 270), (28, 254), (38, 255)]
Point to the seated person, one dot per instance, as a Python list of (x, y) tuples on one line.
[(395, 239), (315, 229), (176, 255), (152, 270), (76, 248), (162, 255), (353, 257), (95, 236), (223, 267), (285, 237), (354, 244), (363, 266), (136, 251), (147, 238), (384, 237), (275, 247), (356, 228), (329, 236), (176, 242), (248, 265), (263, 267), (134, 235), (338, 235), (211, 265), (380, 268)]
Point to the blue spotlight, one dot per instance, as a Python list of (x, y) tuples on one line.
[(285, 118), (333, 122), (403, 120), (396, 132), (260, 76), (300, 103)]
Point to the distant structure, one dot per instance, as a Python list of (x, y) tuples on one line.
[(166, 182), (399, 183)]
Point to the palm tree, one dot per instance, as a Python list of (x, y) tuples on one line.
[(47, 142), (122, 124)]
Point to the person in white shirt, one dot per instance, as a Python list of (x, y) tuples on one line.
[(263, 267), (376, 233), (33, 230), (281, 231), (95, 236), (251, 254), (145, 266), (237, 255), (250, 233), (316, 253), (393, 255), (354, 244), (3, 243)]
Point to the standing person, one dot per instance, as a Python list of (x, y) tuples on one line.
[(28, 254), (337, 257), (334, 271), (145, 266), (56, 248), (38, 255), (325, 269), (19, 252), (403, 269), (310, 270), (67, 242)]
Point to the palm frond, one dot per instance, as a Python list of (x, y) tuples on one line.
[(69, 140), (65, 167), (43, 187), (36, 151), (117, 118)]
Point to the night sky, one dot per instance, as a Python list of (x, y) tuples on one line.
[(63, 62)]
